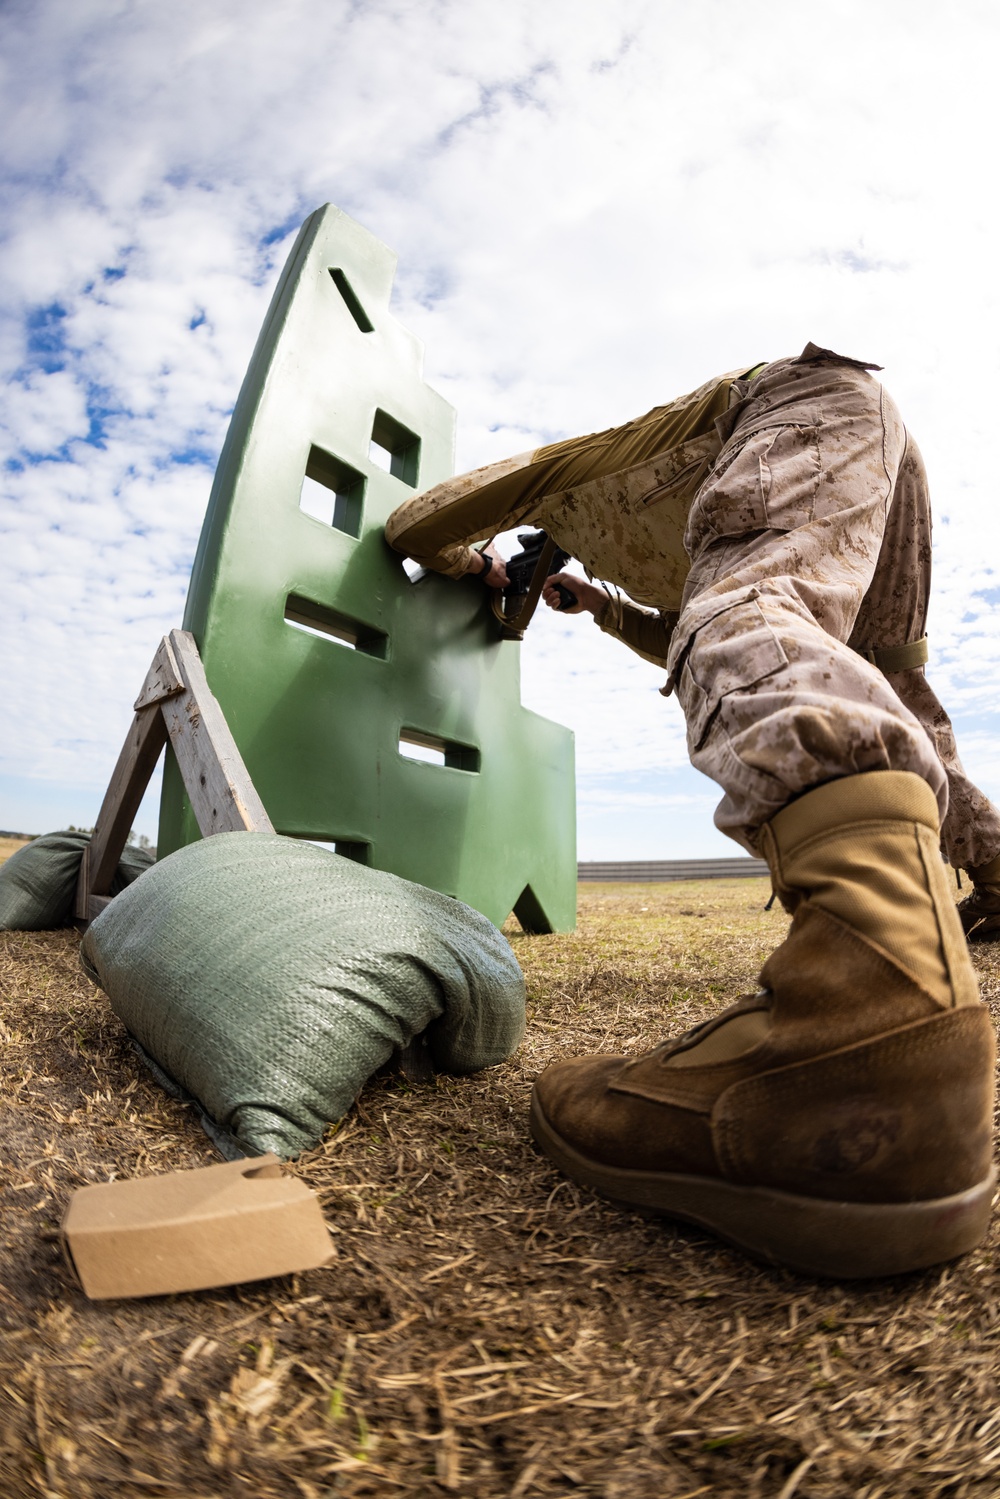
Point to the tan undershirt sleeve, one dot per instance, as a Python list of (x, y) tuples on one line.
[(646, 634), (436, 527)]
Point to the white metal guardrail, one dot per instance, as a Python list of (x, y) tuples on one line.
[(655, 871)]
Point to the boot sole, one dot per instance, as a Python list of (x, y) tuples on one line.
[(845, 1240)]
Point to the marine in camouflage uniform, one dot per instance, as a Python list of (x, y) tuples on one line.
[(778, 522), (762, 505)]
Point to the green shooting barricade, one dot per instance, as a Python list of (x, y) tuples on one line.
[(334, 670)]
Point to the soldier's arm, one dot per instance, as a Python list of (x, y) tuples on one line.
[(646, 634), (435, 528)]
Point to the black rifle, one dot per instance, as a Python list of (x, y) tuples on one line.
[(521, 572)]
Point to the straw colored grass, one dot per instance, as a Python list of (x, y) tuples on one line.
[(10, 846), (485, 1328)]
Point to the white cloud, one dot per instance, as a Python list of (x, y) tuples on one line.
[(596, 205)]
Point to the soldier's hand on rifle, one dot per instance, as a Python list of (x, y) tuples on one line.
[(588, 598), (493, 572)]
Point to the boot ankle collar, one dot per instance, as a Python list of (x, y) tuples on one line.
[(874, 796)]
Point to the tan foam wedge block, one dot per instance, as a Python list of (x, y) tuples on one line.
[(188, 1230)]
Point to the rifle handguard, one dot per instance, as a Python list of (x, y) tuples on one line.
[(513, 629)]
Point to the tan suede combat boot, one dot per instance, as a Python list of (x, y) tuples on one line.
[(839, 1121), (979, 912)]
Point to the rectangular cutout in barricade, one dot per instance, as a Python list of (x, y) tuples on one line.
[(329, 664)]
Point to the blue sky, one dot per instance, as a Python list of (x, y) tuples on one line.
[(596, 206)]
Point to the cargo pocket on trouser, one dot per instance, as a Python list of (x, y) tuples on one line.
[(730, 652), (765, 481)]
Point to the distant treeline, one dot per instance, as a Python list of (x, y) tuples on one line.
[(139, 839)]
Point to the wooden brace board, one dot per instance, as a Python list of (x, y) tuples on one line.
[(175, 703)]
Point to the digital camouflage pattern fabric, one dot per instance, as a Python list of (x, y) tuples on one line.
[(778, 521)]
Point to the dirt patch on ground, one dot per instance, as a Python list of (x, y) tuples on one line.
[(485, 1328)]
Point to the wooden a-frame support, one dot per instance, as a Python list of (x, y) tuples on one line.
[(175, 703)]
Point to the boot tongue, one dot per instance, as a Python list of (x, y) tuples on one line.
[(736, 1031), (824, 987), (831, 987)]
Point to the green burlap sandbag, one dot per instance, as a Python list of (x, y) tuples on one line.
[(38, 883), (270, 979)]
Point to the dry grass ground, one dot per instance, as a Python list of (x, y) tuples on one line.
[(486, 1328)]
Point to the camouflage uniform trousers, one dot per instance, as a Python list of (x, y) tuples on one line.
[(810, 541)]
